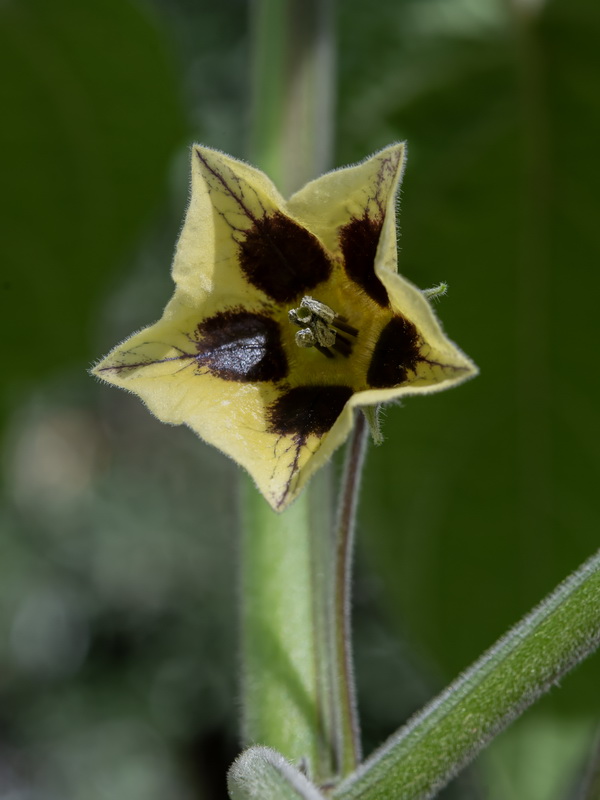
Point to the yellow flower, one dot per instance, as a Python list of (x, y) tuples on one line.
[(286, 316)]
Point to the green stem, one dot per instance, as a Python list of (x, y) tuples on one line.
[(292, 102), (347, 734), (260, 773), (284, 636), (289, 682), (439, 741)]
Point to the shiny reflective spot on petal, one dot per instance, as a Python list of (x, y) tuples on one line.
[(241, 346)]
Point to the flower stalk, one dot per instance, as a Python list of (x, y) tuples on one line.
[(348, 728)]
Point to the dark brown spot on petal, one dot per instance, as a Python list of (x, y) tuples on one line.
[(241, 346), (282, 258), (359, 240), (396, 351), (307, 410)]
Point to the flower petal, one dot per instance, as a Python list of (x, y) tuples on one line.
[(224, 359), (223, 379), (349, 208), (412, 354), (236, 241)]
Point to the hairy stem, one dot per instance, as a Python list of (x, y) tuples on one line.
[(284, 637), (446, 735), (348, 733), (288, 687)]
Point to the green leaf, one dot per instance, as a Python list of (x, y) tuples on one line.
[(439, 741), (260, 773), (481, 499), (90, 120)]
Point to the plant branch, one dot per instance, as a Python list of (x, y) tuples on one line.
[(442, 739), (287, 558), (281, 634), (260, 773)]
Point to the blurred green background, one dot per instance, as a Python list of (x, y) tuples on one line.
[(118, 654)]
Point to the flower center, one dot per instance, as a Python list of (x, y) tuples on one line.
[(321, 328)]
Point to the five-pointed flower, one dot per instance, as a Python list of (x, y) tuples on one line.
[(286, 316)]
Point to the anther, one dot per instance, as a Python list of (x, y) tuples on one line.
[(321, 328)]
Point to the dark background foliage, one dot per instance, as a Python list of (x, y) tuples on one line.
[(118, 543)]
